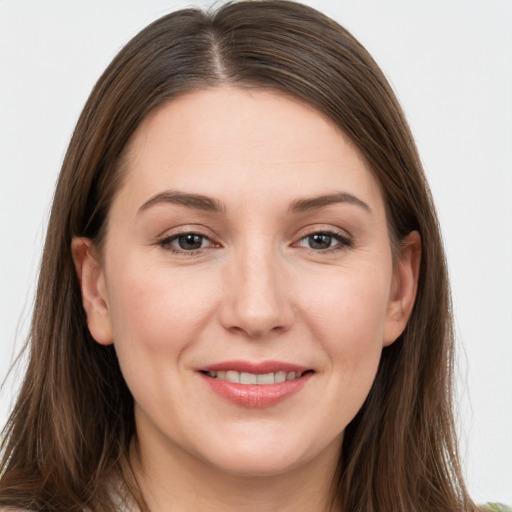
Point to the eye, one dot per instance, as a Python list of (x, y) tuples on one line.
[(325, 241), (186, 242)]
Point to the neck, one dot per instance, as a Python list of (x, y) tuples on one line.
[(181, 482)]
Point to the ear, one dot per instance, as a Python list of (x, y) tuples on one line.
[(94, 291), (403, 288)]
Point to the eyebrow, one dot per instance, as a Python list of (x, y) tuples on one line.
[(201, 202), (196, 201), (317, 202)]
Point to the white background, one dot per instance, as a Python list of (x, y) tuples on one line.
[(450, 63)]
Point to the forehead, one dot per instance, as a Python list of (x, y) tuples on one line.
[(234, 143)]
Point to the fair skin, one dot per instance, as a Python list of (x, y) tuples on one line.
[(265, 274)]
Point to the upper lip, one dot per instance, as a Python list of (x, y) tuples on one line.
[(261, 367)]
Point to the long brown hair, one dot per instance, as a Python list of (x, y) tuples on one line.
[(68, 437)]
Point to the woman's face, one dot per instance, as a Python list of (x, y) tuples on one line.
[(247, 241)]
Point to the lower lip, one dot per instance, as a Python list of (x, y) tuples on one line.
[(256, 395)]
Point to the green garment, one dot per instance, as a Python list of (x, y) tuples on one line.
[(495, 507)]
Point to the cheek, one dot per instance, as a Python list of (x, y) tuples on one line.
[(352, 303), (347, 315), (158, 309), (157, 316), (355, 316)]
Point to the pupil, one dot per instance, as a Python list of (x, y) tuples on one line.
[(190, 242), (320, 241)]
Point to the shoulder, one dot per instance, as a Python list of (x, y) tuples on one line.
[(493, 507)]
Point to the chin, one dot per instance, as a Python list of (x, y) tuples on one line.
[(264, 457), (258, 465)]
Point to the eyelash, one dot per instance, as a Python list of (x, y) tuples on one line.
[(343, 242), (166, 242)]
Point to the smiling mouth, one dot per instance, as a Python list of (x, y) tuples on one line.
[(256, 384), (255, 378)]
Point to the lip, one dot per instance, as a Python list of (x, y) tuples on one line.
[(256, 395), (252, 367)]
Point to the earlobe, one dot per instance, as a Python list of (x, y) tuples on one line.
[(93, 287), (404, 287)]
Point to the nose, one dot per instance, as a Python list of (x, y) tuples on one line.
[(256, 296)]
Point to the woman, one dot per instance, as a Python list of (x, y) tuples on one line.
[(243, 302)]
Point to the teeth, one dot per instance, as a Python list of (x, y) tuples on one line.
[(247, 378), (253, 378), (280, 377), (232, 376), (265, 378)]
